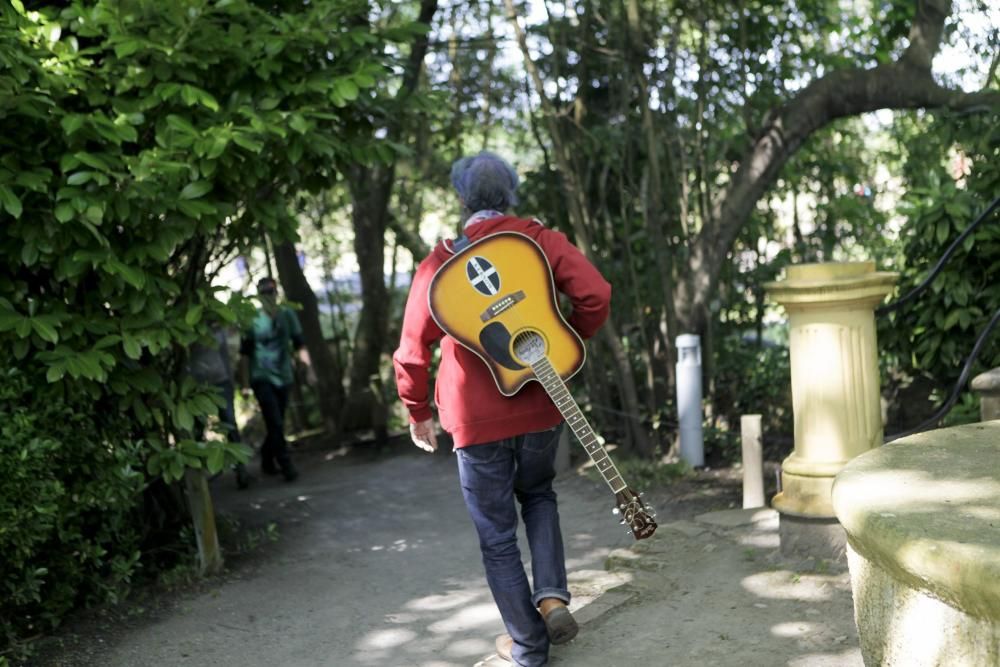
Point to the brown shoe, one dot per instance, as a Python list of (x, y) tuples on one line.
[(504, 645), (560, 623)]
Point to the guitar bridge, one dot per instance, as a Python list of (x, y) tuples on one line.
[(502, 304)]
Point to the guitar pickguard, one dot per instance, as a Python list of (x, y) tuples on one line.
[(495, 339)]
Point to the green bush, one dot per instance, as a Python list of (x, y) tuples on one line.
[(69, 528), (932, 335), (749, 379)]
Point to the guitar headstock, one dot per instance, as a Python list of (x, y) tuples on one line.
[(635, 514)]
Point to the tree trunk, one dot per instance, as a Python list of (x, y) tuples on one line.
[(329, 373), (577, 207), (370, 192), (371, 189)]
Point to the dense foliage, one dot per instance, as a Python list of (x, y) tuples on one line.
[(953, 175), (68, 504), (153, 142)]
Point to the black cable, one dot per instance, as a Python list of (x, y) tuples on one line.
[(962, 379), (889, 307)]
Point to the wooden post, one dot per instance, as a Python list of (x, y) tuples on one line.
[(753, 467), (203, 515)]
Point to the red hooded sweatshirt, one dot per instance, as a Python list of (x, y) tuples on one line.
[(470, 406)]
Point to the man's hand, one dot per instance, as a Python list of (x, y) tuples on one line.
[(424, 436), (310, 374), (305, 362)]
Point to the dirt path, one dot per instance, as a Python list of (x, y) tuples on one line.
[(378, 566)]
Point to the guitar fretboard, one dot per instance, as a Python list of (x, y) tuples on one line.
[(571, 412)]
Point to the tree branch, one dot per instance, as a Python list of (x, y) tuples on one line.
[(905, 84), (406, 238)]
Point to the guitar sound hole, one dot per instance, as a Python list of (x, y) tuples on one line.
[(529, 346)]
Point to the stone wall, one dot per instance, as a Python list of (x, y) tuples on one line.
[(922, 517)]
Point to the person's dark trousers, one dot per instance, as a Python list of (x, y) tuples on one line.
[(493, 475), (273, 401)]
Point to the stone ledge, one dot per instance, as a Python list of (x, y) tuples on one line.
[(901, 626), (926, 509)]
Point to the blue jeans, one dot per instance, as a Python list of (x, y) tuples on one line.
[(492, 476)]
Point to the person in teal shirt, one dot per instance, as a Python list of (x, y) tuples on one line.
[(266, 368)]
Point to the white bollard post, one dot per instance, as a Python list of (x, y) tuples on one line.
[(689, 399), (753, 464)]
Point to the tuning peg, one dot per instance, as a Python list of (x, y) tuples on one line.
[(616, 511)]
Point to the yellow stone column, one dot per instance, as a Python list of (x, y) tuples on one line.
[(835, 377)]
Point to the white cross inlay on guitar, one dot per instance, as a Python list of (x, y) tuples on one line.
[(483, 277)]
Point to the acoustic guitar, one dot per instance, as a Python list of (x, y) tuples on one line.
[(496, 297)]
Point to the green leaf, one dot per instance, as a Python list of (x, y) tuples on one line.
[(226, 313), (166, 90), (176, 470), (127, 47), (183, 419), (94, 213), (71, 123), (208, 404), (93, 161), (107, 341), (943, 231), (44, 330), (248, 143), (29, 253), (64, 212), (34, 180), (9, 320), (238, 452), (952, 319), (23, 327), (131, 346), (218, 145), (346, 88), (298, 123), (207, 100), (131, 275), (216, 459), (181, 124), (196, 189), (79, 177), (10, 201), (268, 103), (55, 373), (193, 315), (364, 80)]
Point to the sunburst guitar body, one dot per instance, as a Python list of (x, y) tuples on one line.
[(497, 298)]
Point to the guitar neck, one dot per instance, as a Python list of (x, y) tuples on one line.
[(557, 391)]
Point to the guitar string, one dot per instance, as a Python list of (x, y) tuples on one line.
[(521, 326), (632, 508), (580, 426)]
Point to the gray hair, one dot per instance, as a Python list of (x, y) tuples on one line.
[(485, 182)]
